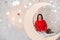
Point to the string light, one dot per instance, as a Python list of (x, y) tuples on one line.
[(30, 3), (19, 10), (18, 13), (8, 13), (0, 20), (13, 18), (51, 1), (25, 6), (20, 20), (53, 6), (16, 3), (54, 10)]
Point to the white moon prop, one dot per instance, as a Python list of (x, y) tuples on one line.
[(28, 23)]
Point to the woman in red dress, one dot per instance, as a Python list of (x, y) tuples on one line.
[(40, 24)]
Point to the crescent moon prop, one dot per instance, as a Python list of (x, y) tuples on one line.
[(29, 27)]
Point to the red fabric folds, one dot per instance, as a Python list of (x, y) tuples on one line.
[(41, 25)]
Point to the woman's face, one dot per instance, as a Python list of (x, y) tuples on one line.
[(39, 17)]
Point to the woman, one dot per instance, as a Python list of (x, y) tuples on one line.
[(41, 25)]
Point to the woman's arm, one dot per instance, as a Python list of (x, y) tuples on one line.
[(36, 26), (46, 27)]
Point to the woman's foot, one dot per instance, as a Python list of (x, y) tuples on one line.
[(49, 31)]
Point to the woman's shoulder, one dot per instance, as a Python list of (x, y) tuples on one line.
[(36, 20), (44, 20)]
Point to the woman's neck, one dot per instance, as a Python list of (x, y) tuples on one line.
[(40, 20)]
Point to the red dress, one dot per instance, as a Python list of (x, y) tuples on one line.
[(41, 25)]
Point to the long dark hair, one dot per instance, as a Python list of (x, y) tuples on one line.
[(40, 15)]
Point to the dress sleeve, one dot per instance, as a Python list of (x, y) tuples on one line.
[(45, 25), (36, 26)]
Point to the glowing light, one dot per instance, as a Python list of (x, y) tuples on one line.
[(54, 10), (0, 20), (13, 18), (19, 10), (53, 6), (15, 3), (51, 1), (30, 4), (53, 21), (25, 6), (7, 13), (20, 21)]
